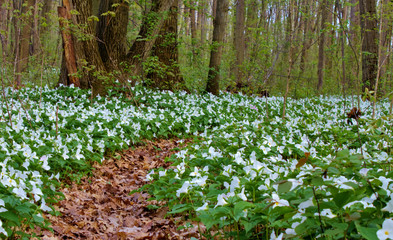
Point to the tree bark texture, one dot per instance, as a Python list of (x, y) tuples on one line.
[(112, 32), (368, 23), (385, 37), (4, 25), (89, 61), (289, 30), (239, 44), (24, 41), (219, 25), (202, 19), (100, 48), (193, 27), (151, 26), (166, 74), (68, 46), (321, 47)]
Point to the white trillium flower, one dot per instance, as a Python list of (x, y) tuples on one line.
[(242, 195), (389, 206), (204, 207), (279, 202), (291, 231), (2, 230), (326, 213), (364, 171), (183, 189), (306, 204), (220, 200), (149, 177), (274, 237), (44, 160), (386, 231)]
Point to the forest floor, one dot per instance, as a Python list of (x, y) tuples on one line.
[(101, 206)]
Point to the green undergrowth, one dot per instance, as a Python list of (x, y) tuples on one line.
[(247, 174)]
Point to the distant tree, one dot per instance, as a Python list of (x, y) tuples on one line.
[(193, 20), (219, 27), (385, 40)]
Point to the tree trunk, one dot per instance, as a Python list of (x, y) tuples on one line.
[(251, 23), (151, 26), (101, 48), (165, 74), (342, 17), (239, 44), (306, 38), (321, 48), (24, 42), (193, 20), (36, 44), (89, 61), (368, 24), (384, 39), (186, 16), (4, 25), (289, 31), (202, 21), (112, 32), (69, 58), (219, 25)]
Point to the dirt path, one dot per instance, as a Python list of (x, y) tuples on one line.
[(101, 207)]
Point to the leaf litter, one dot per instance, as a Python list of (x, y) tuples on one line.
[(101, 207)]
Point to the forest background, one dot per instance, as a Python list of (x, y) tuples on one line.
[(286, 47)]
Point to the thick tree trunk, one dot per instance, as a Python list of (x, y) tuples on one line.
[(24, 42), (68, 46), (101, 48), (368, 23), (151, 26), (239, 44), (321, 48), (89, 61), (112, 32), (165, 74), (219, 24)]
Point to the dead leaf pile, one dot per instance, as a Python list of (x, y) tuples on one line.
[(100, 207)]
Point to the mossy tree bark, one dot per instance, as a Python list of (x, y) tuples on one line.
[(101, 50), (164, 73)]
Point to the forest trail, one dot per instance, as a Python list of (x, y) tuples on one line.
[(100, 207)]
